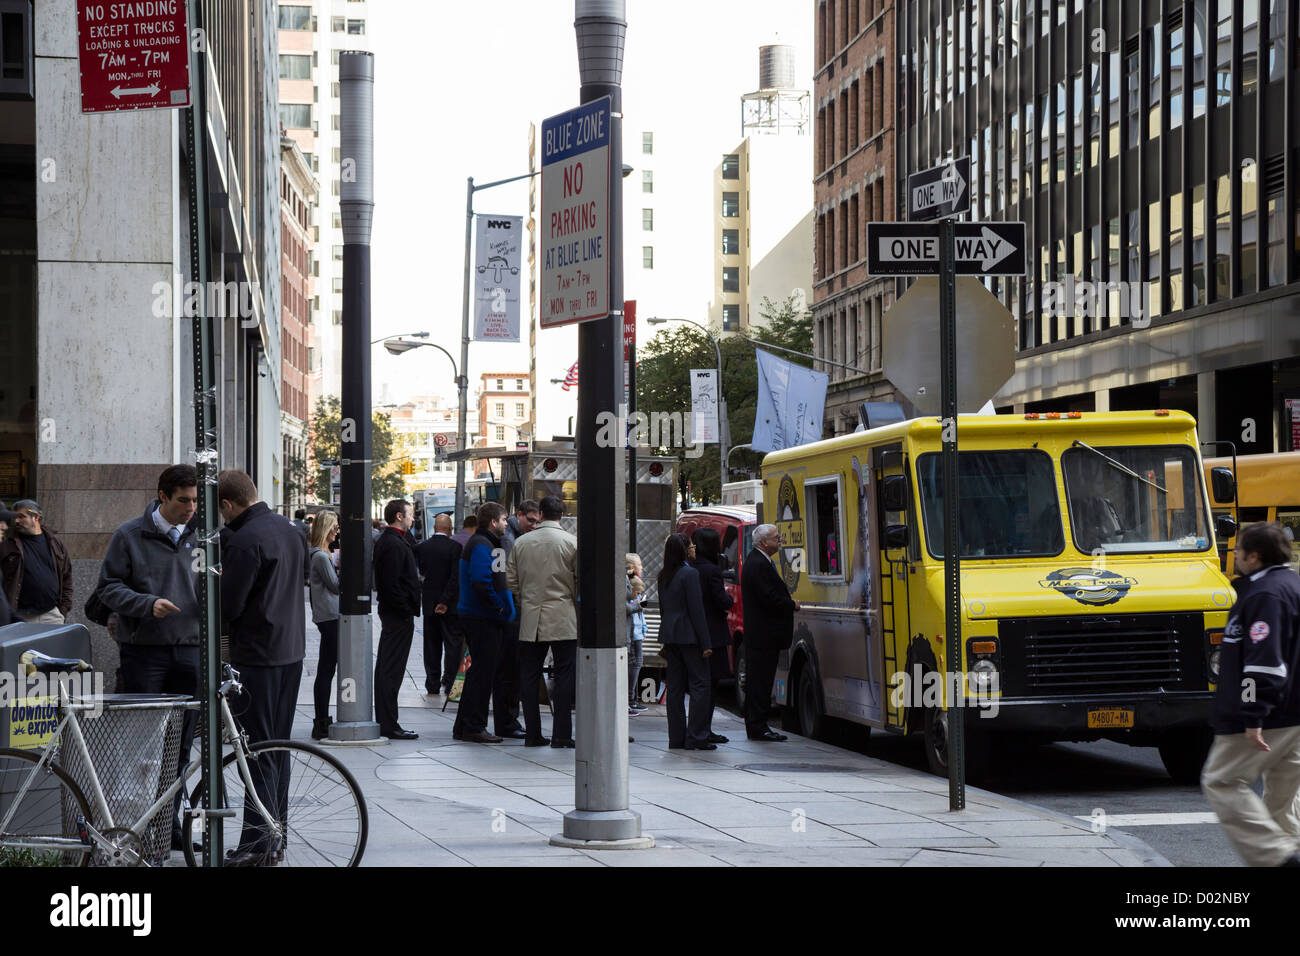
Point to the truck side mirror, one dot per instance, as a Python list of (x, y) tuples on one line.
[(730, 576), (896, 537), (1223, 485), (724, 562), (893, 493), (1225, 527)]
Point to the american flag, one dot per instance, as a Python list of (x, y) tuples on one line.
[(571, 377)]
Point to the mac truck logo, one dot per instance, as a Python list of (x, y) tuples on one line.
[(1088, 585)]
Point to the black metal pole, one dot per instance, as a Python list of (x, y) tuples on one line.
[(631, 450), (956, 736), (206, 461), (357, 199)]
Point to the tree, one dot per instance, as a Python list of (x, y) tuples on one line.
[(663, 371), (298, 483), (326, 442)]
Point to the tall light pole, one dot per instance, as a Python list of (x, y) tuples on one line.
[(463, 414), (722, 402)]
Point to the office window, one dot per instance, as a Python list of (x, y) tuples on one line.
[(519, 410), (338, 317), (500, 410), (648, 220), (501, 385), (731, 279), (336, 154), (295, 115), (338, 283), (336, 221), (1223, 56), (336, 121), (647, 181), (338, 253), (730, 318), (647, 257), (357, 27), (1176, 78), (730, 242), (519, 385), (338, 24), (295, 18), (730, 205), (731, 166), (335, 90), (501, 433), (647, 143), (334, 57), (295, 67)]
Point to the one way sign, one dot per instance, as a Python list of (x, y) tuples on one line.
[(912, 248)]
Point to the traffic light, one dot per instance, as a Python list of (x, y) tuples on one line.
[(408, 467)]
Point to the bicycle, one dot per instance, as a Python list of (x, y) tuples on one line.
[(49, 821)]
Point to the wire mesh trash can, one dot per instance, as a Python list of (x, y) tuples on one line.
[(134, 744)]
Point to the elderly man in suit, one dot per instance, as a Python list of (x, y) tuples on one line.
[(543, 569), (439, 562), (769, 628)]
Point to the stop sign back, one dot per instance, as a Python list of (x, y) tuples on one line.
[(133, 55)]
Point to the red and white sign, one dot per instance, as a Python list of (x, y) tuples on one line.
[(134, 55), (441, 439), (629, 343), (575, 215)]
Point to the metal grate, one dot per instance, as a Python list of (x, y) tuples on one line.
[(134, 750), (1061, 657)]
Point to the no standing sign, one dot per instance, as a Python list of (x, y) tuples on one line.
[(133, 55), (575, 215)]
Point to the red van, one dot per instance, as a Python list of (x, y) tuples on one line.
[(735, 526)]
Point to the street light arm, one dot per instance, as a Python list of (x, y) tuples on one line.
[(404, 335), (502, 182)]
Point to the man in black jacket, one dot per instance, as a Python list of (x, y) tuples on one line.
[(439, 562), (263, 610), (397, 580), (148, 578), (769, 628), (1256, 712)]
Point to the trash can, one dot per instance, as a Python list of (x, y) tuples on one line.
[(134, 743)]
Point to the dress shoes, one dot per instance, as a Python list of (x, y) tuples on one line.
[(704, 746), (249, 857), (717, 739), (481, 737), (397, 733), (559, 744), (771, 736), (536, 741), (515, 734)]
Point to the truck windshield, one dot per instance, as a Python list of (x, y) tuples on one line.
[(1009, 504), (1127, 498)]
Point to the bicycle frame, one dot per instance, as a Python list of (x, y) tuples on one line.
[(231, 735)]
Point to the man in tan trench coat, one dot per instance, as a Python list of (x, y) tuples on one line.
[(542, 572)]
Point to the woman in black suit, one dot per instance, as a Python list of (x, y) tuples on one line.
[(708, 551), (684, 634)]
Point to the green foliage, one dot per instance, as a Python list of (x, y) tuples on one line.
[(22, 856), (326, 441), (663, 374)]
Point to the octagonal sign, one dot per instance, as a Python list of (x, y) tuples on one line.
[(985, 345)]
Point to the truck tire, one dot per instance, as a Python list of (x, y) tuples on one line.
[(807, 704), (740, 678), (1183, 753), (978, 746)]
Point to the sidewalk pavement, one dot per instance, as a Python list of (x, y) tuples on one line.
[(439, 802)]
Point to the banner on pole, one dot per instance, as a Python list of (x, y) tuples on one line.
[(704, 406), (791, 401), (496, 278)]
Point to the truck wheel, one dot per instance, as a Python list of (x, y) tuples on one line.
[(978, 746), (1183, 753), (807, 708)]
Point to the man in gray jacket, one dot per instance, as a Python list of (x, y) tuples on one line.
[(148, 578)]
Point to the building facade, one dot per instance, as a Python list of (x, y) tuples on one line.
[(762, 200), (854, 169), (1151, 148), (96, 351), (503, 414), (417, 425), (297, 196), (312, 33)]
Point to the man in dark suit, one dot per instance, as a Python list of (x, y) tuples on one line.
[(439, 561), (769, 628), (397, 582)]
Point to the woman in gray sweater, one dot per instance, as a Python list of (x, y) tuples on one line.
[(324, 584)]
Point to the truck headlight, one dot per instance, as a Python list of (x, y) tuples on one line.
[(986, 675)]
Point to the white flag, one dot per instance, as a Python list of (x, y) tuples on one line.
[(496, 279), (704, 406), (791, 400)]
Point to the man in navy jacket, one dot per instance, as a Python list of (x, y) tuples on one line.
[(485, 606), (1256, 712)]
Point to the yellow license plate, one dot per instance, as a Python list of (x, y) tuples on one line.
[(1103, 719)]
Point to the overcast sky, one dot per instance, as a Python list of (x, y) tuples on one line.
[(456, 85)]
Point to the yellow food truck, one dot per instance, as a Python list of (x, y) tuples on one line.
[(1092, 597)]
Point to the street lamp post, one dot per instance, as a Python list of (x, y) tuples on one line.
[(722, 402)]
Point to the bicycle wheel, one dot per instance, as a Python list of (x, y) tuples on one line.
[(327, 823), (45, 829)]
